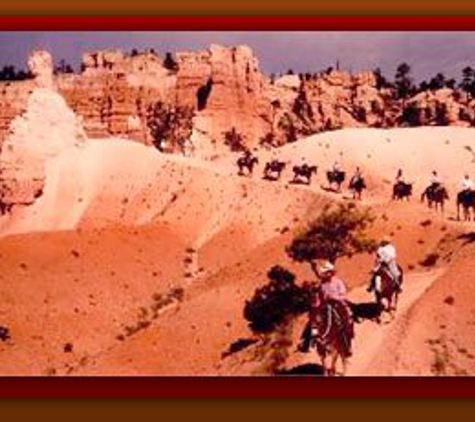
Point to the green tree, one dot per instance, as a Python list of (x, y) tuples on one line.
[(63, 67), (403, 81), (468, 81), (381, 81), (437, 82), (340, 230), (169, 126)]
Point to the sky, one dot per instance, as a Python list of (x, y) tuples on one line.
[(427, 52)]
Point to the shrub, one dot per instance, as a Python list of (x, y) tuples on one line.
[(268, 141), (277, 300), (338, 231), (169, 126), (4, 333), (411, 115), (430, 260), (234, 140)]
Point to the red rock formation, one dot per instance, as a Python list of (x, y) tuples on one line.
[(225, 89)]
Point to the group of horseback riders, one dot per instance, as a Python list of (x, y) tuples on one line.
[(303, 173), (330, 327), (436, 193)]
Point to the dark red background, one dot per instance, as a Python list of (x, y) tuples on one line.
[(210, 387), (265, 23)]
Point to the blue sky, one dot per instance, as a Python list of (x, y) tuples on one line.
[(426, 52)]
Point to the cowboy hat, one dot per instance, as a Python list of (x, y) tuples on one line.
[(327, 267)]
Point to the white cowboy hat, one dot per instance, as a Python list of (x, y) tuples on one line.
[(327, 267)]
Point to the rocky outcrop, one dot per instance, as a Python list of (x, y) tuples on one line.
[(13, 100), (113, 92), (42, 131), (325, 101), (40, 64), (441, 107), (222, 85)]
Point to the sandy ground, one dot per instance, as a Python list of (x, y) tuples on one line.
[(96, 276)]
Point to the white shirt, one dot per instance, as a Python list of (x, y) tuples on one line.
[(386, 254), (434, 179), (467, 184)]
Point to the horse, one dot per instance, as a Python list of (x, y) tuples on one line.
[(402, 190), (387, 290), (335, 177), (357, 185), (273, 169), (332, 333), (304, 171), (466, 199), (435, 195), (247, 161)]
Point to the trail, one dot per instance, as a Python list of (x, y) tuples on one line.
[(371, 339)]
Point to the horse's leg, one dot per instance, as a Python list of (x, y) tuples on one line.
[(344, 364), (396, 298), (323, 360), (380, 307), (334, 361)]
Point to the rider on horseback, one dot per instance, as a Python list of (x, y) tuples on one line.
[(336, 167), (385, 256), (434, 181), (399, 177), (330, 288), (357, 177), (333, 288), (467, 184)]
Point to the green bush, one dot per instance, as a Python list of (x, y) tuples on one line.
[(277, 300), (338, 231)]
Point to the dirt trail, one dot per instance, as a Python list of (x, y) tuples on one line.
[(371, 339)]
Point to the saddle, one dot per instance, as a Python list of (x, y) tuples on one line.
[(434, 188), (376, 280), (341, 316), (357, 181)]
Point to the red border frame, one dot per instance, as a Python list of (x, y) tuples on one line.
[(243, 23), (223, 387)]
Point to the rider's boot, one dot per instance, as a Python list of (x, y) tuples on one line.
[(305, 340)]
